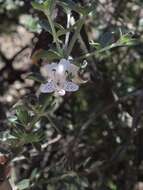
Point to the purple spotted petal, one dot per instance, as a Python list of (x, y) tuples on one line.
[(71, 87), (47, 88)]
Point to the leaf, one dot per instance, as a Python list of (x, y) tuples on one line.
[(49, 4), (107, 42), (95, 45), (22, 114), (38, 6), (59, 26), (61, 30), (126, 40), (26, 138), (112, 186), (12, 119), (45, 25), (36, 77), (50, 55), (34, 173), (46, 6), (24, 184), (69, 4), (34, 137)]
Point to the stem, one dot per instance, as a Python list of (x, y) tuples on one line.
[(48, 116), (75, 36), (68, 26), (53, 31), (87, 55), (53, 124)]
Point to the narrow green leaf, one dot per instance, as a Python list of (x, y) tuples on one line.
[(49, 4), (38, 6), (59, 26), (45, 25), (36, 77), (12, 119), (34, 173), (24, 184), (68, 4), (50, 55), (112, 186), (126, 40), (62, 31), (22, 114), (95, 45), (26, 138)]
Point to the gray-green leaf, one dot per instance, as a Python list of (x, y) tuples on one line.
[(38, 6), (24, 184)]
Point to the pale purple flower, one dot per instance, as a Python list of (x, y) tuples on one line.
[(60, 78)]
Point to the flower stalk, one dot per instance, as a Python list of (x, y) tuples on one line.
[(75, 36), (53, 31), (68, 32)]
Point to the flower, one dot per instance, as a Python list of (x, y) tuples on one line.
[(60, 78)]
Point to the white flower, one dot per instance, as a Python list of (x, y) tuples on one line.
[(59, 78)]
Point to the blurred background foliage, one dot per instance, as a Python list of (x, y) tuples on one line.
[(91, 139)]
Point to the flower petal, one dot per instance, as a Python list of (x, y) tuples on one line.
[(47, 88), (47, 70), (50, 66), (66, 64), (61, 92), (71, 87), (74, 69), (60, 70)]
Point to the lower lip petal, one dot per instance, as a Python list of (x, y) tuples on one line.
[(61, 92)]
